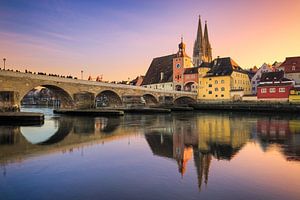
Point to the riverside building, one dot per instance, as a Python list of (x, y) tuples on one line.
[(178, 71), (223, 79)]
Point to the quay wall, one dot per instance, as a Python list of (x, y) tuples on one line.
[(249, 106)]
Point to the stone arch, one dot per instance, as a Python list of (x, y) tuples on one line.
[(184, 100), (150, 99), (108, 98), (191, 86), (61, 98)]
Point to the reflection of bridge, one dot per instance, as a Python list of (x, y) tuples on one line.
[(79, 93)]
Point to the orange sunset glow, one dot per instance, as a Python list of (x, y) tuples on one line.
[(119, 42)]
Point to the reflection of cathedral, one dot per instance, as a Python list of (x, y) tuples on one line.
[(202, 137)]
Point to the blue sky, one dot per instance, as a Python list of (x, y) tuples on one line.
[(119, 38)]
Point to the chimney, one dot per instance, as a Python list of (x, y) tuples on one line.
[(161, 76)]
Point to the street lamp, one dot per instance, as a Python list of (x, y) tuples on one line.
[(4, 59), (81, 74)]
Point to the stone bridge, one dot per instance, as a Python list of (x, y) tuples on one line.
[(75, 93)]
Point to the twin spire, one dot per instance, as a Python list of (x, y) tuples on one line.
[(202, 48)]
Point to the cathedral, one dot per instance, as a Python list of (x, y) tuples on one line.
[(202, 49), (179, 71)]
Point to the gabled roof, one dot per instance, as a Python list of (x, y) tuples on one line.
[(273, 76), (161, 64), (291, 65), (223, 67)]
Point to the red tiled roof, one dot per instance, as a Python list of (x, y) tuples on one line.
[(291, 65)]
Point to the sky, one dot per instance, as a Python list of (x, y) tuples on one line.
[(119, 38)]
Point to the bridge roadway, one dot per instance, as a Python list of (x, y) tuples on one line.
[(75, 93)]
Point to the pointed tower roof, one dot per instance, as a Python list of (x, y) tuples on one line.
[(205, 37), (198, 42)]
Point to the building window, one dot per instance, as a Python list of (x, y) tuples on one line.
[(216, 81), (209, 79), (209, 92), (222, 81), (263, 90), (210, 85), (272, 90), (281, 90), (293, 68), (222, 89), (216, 95), (222, 95)]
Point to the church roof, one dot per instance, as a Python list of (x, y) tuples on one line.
[(223, 67), (161, 64)]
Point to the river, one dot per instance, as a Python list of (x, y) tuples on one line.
[(191, 155)]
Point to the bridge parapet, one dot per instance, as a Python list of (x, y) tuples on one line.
[(67, 89)]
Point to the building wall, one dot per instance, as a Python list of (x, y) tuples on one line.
[(294, 96), (179, 64), (256, 78), (273, 92), (241, 81), (217, 88), (293, 76), (161, 86)]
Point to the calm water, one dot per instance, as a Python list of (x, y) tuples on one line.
[(179, 156)]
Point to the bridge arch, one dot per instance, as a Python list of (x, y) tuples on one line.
[(59, 96), (150, 99), (108, 98), (191, 86), (184, 100)]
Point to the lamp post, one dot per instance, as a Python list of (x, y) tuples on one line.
[(81, 74), (4, 59)]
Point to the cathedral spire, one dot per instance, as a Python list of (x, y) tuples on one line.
[(198, 45), (207, 47)]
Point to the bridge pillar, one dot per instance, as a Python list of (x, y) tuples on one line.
[(166, 100), (9, 101), (84, 100)]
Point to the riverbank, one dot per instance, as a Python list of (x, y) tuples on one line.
[(21, 118), (248, 106), (94, 112)]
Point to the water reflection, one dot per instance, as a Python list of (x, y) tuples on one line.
[(220, 136), (185, 138)]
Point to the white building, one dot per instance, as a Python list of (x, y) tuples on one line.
[(256, 78)]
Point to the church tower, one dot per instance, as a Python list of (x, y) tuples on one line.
[(180, 62), (206, 44), (202, 48), (198, 46)]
